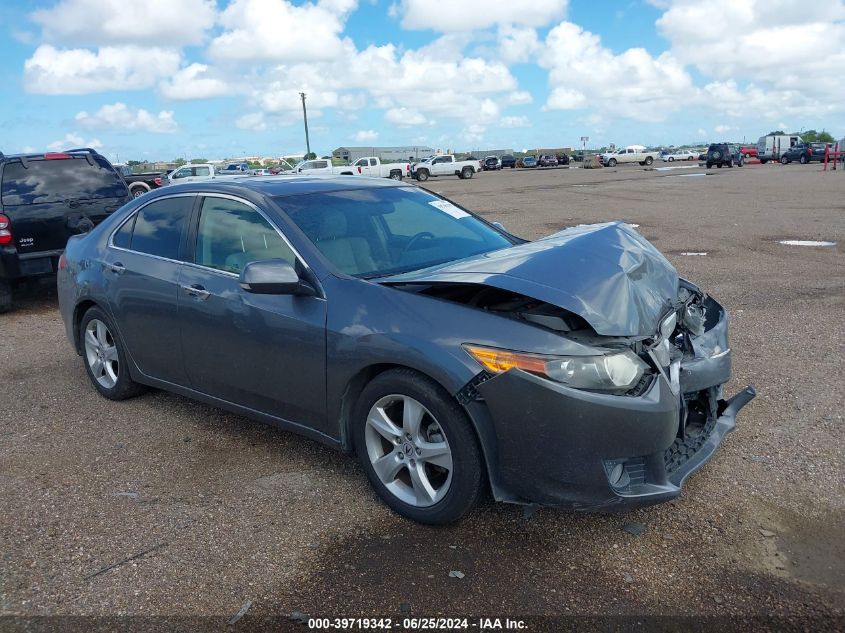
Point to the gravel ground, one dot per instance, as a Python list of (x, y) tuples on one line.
[(160, 506)]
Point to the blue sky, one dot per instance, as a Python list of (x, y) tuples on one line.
[(163, 78)]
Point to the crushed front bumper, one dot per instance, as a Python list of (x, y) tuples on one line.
[(561, 446)]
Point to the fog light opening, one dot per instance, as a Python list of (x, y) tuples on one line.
[(616, 474)]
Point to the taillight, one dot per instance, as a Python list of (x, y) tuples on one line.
[(157, 181), (56, 156), (5, 230), (62, 262)]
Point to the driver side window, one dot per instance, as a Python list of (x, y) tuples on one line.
[(232, 234)]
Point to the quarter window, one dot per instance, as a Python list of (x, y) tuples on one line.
[(159, 226), (232, 234)]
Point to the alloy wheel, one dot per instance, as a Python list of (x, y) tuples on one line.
[(101, 353), (408, 450)]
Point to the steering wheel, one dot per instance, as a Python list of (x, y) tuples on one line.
[(416, 238)]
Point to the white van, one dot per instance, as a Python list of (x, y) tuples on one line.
[(771, 146)]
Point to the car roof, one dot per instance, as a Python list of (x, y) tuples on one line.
[(283, 185)]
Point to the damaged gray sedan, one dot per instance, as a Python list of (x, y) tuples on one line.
[(454, 358)]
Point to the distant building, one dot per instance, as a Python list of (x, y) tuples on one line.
[(550, 150), (386, 154), (484, 153)]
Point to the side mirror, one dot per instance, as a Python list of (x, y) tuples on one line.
[(274, 277), (500, 226)]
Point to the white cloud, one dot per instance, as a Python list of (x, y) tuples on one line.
[(702, 132), (721, 129), (520, 97), (365, 135), (253, 121), (405, 117), (118, 22), (119, 116), (469, 15), (514, 121), (72, 140), (517, 44), (278, 30), (632, 84), (195, 82), (776, 45), (80, 71), (473, 133)]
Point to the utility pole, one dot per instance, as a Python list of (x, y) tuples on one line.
[(305, 118)]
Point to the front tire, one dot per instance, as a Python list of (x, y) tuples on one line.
[(611, 162), (418, 448), (803, 160), (671, 160), (105, 358)]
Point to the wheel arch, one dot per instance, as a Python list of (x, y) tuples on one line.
[(475, 411), (78, 313)]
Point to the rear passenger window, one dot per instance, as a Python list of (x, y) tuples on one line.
[(159, 225), (123, 236)]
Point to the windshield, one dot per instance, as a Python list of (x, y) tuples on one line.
[(377, 232)]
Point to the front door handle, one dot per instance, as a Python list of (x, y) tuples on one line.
[(196, 291), (117, 268)]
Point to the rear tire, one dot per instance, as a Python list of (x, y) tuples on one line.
[(5, 296), (422, 175), (803, 160), (466, 173), (709, 165), (648, 161), (104, 357), (763, 161), (784, 160), (442, 423), (396, 175)]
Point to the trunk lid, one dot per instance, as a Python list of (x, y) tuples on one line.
[(608, 274)]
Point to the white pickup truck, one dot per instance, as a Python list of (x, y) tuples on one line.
[(199, 171), (630, 154), (444, 165), (368, 166)]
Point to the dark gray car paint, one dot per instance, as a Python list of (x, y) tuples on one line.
[(371, 325)]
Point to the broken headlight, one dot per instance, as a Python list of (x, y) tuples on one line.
[(615, 372)]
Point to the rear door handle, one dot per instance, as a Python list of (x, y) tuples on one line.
[(117, 268), (196, 291)]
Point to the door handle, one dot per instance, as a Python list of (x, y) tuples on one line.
[(117, 268), (196, 291)]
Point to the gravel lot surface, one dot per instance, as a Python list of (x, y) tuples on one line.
[(217, 509)]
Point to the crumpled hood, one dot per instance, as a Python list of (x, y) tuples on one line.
[(608, 274)]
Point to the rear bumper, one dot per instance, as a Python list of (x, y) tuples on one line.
[(15, 265)]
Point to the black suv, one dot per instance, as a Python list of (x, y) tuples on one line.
[(722, 154), (804, 153), (46, 198), (508, 161)]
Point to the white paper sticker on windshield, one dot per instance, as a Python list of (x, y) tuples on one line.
[(448, 207)]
